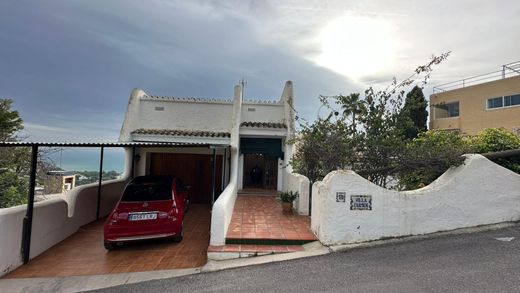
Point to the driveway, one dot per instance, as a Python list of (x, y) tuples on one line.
[(480, 262), (83, 252)]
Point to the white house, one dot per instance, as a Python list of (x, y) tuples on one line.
[(225, 145)]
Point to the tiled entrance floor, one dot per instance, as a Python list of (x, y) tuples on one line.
[(258, 219), (83, 252)]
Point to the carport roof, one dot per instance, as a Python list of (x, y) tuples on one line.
[(107, 144)]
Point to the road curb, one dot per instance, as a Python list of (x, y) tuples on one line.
[(311, 249), (412, 238)]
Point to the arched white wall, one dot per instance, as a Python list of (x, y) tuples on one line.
[(479, 192)]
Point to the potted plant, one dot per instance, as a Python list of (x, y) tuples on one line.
[(287, 198)]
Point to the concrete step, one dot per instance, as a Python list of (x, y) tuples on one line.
[(258, 192), (231, 251), (270, 241)]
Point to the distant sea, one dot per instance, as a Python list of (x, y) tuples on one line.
[(87, 159)]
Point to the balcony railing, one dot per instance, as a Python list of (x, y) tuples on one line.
[(508, 70)]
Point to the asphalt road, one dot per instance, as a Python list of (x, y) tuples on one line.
[(462, 263)]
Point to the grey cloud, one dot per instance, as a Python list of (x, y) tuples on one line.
[(81, 59)]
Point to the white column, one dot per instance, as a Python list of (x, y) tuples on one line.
[(241, 172), (280, 174)]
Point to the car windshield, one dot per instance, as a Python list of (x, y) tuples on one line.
[(147, 192)]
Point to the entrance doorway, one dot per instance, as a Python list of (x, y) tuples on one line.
[(260, 171)]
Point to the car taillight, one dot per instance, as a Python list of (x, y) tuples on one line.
[(114, 218), (118, 216), (172, 213)]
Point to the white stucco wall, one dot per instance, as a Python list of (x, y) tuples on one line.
[(150, 112), (223, 206), (479, 192), (185, 116), (55, 219), (262, 112), (299, 183)]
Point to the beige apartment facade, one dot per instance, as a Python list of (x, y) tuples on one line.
[(470, 109)]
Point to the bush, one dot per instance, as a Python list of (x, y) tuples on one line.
[(288, 196), (495, 140), (429, 155)]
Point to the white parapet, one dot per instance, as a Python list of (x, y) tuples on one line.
[(55, 219)]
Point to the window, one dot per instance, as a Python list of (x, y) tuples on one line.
[(147, 192), (447, 110), (495, 103), (505, 101), (512, 100)]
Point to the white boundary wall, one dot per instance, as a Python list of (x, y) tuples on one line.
[(300, 183), (55, 219), (477, 193), (223, 207)]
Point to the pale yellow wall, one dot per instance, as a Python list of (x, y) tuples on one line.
[(473, 115)]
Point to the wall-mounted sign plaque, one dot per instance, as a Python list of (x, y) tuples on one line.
[(341, 196), (361, 202)]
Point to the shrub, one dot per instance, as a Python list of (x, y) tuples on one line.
[(429, 155), (288, 196), (495, 140)]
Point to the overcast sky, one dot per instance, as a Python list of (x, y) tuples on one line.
[(70, 66)]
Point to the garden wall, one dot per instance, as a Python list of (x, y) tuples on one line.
[(346, 208), (299, 183)]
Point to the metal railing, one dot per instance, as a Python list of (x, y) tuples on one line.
[(508, 70)]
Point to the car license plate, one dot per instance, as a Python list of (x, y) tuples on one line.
[(142, 216)]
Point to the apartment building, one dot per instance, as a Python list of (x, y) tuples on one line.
[(476, 103)]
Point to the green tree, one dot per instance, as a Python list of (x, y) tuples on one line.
[(14, 162), (352, 107), (323, 146), (10, 121), (414, 109), (366, 136)]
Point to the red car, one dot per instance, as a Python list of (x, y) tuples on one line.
[(151, 207)]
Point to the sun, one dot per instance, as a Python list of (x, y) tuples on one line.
[(357, 46)]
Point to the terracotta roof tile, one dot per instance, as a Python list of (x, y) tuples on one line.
[(189, 99), (177, 132), (263, 124)]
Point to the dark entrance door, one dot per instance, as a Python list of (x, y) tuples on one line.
[(261, 162), (260, 171), (192, 169)]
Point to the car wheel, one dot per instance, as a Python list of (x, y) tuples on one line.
[(178, 237), (109, 245)]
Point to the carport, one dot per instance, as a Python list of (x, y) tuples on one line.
[(83, 245)]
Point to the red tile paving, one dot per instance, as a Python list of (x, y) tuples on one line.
[(260, 217), (83, 252)]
